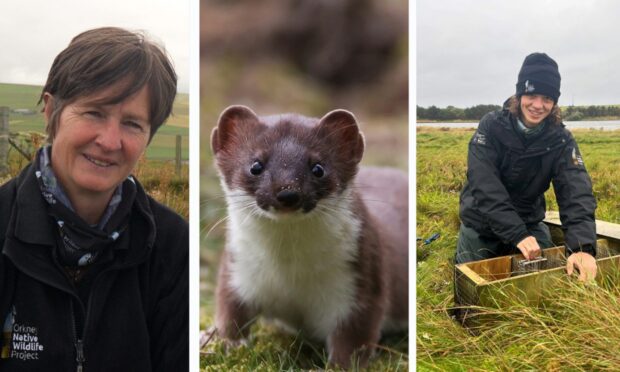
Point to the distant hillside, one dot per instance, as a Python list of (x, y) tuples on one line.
[(26, 115), (19, 96)]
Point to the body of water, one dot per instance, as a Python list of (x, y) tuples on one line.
[(602, 125)]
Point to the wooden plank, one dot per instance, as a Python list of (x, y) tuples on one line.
[(466, 290), (495, 281), (471, 274), (493, 268), (526, 289), (529, 288), (608, 229), (603, 228), (485, 283)]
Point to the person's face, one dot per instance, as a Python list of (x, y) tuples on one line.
[(535, 108), (97, 146)]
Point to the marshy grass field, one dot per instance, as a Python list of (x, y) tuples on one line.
[(577, 329)]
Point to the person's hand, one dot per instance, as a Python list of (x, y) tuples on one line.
[(529, 248), (584, 262)]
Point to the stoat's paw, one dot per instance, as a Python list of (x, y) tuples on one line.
[(207, 336), (210, 336), (230, 345)]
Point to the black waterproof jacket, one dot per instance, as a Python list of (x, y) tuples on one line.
[(135, 317), (508, 174)]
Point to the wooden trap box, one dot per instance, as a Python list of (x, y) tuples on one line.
[(488, 282)]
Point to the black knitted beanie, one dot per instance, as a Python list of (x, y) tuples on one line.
[(539, 74)]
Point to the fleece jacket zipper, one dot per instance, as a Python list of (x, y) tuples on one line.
[(78, 342), (79, 328)]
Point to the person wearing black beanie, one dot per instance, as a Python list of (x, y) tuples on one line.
[(539, 75), (514, 156)]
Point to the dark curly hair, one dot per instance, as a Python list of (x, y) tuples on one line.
[(554, 118)]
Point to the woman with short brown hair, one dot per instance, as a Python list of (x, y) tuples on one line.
[(93, 271)]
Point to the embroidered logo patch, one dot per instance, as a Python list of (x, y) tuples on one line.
[(529, 87), (19, 341), (577, 160), (479, 139)]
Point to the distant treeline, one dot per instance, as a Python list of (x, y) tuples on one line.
[(449, 113), (475, 113), (576, 113)]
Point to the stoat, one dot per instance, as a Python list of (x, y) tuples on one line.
[(311, 241)]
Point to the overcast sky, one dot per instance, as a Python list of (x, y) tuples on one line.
[(33, 32), (469, 52)]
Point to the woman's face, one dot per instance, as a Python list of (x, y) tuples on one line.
[(535, 108), (97, 146)]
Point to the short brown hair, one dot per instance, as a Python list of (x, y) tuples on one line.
[(99, 58), (554, 118)]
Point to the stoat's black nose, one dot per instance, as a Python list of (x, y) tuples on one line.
[(288, 198)]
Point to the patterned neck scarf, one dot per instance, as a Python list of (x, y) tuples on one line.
[(82, 244)]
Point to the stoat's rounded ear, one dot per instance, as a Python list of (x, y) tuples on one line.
[(234, 124), (341, 126)]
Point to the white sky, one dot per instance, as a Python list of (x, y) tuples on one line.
[(33, 32), (469, 52)]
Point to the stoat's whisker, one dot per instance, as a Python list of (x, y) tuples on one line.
[(248, 215), (333, 208), (352, 198), (216, 224)]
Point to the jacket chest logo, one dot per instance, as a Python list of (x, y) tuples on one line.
[(577, 160), (480, 139), (19, 341)]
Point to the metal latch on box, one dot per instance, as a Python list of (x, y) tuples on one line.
[(533, 265)]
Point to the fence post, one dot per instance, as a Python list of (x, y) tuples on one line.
[(178, 156), (4, 141)]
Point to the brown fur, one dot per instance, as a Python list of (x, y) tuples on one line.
[(379, 201), (232, 317)]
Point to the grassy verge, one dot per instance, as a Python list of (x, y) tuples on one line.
[(579, 324)]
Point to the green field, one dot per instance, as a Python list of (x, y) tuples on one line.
[(162, 147), (580, 325)]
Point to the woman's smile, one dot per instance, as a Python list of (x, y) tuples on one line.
[(99, 162)]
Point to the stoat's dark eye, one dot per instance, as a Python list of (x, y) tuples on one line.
[(257, 168), (317, 170)]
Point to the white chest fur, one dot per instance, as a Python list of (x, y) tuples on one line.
[(297, 268)]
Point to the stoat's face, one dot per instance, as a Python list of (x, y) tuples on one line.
[(287, 164)]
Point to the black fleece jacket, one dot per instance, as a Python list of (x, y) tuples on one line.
[(508, 174), (136, 315)]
